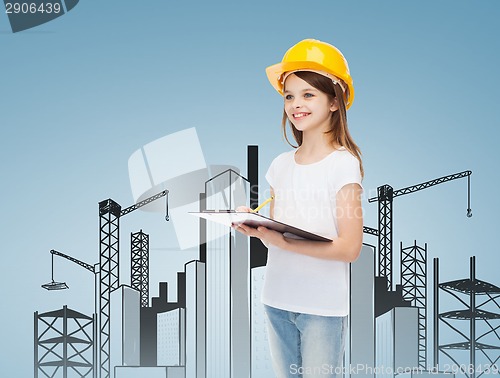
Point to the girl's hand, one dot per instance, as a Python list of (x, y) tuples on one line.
[(243, 209), (266, 235)]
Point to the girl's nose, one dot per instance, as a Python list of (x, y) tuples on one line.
[(296, 103)]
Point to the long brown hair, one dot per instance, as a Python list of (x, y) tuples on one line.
[(339, 131)]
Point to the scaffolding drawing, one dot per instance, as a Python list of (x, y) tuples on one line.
[(385, 196), (140, 265), (64, 343), (109, 225), (475, 324), (414, 289)]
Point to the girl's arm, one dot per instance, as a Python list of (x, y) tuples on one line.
[(346, 247)]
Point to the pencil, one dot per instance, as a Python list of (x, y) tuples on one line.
[(263, 204)]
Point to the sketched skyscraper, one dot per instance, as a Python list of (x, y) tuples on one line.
[(361, 351), (125, 327), (195, 319), (227, 283)]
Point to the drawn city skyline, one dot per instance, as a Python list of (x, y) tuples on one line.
[(191, 338)]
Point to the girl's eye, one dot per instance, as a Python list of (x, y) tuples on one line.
[(288, 97), (308, 95)]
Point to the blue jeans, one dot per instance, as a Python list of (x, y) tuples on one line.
[(304, 345)]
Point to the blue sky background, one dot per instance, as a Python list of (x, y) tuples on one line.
[(80, 94)]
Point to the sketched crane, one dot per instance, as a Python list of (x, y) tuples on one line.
[(107, 270), (53, 285), (62, 285), (110, 213), (385, 196)]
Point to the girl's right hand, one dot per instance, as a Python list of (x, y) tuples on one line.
[(244, 209)]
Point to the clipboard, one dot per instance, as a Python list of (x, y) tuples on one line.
[(230, 217)]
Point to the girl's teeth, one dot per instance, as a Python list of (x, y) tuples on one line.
[(299, 115)]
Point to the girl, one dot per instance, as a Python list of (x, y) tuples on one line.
[(316, 187)]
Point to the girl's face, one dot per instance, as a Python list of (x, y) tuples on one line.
[(307, 107)]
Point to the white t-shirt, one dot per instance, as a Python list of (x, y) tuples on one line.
[(305, 197)]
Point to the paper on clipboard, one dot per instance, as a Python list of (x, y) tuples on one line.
[(229, 217)]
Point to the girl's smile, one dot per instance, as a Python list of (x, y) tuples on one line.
[(300, 115)]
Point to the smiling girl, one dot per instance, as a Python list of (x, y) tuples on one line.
[(316, 187)]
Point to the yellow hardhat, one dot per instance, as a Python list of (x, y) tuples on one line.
[(316, 56)]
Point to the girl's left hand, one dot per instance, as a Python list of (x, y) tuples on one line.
[(266, 235)]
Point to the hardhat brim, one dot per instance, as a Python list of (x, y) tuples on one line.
[(275, 72)]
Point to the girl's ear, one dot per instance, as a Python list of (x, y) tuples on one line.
[(334, 105)]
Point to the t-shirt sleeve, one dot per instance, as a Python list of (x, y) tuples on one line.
[(347, 172)]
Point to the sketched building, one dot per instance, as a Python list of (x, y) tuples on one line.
[(125, 327), (149, 338), (153, 341), (171, 331), (195, 319), (227, 283), (397, 341), (261, 357), (362, 314)]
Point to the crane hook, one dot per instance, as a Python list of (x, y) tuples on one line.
[(469, 210), (167, 217)]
